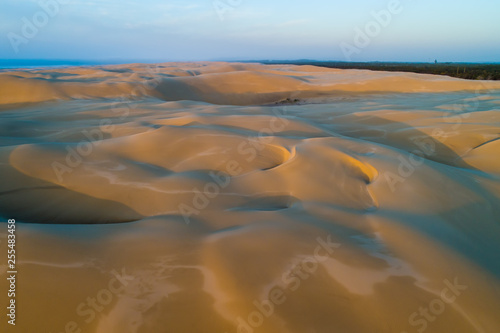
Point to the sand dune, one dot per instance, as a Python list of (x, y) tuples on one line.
[(243, 84), (251, 198)]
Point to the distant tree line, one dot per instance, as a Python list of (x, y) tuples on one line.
[(467, 71)]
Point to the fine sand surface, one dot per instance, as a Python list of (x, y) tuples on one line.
[(217, 197)]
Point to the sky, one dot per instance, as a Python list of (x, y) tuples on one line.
[(173, 30)]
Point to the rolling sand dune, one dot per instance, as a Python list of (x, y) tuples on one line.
[(216, 197)]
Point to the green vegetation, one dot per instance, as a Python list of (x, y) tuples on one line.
[(467, 71), (288, 101)]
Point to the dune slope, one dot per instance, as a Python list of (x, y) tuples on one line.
[(217, 197)]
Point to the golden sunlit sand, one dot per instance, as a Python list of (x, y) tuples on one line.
[(223, 197)]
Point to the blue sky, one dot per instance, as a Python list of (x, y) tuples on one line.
[(167, 30)]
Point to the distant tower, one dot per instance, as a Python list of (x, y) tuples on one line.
[(435, 61)]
